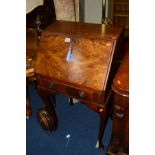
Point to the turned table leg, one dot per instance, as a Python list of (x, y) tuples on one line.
[(47, 115)]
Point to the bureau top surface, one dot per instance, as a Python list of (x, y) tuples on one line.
[(84, 29)]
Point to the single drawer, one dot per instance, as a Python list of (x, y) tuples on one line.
[(67, 90), (54, 86)]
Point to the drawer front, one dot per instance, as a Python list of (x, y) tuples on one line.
[(81, 94), (67, 90), (53, 86)]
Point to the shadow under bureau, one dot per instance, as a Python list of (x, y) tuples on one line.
[(78, 60)]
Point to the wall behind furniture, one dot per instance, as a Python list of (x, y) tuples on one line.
[(90, 10), (31, 4), (93, 11)]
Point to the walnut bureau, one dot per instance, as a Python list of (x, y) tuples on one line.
[(78, 60)]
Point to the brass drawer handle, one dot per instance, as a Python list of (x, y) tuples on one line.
[(51, 85), (82, 94)]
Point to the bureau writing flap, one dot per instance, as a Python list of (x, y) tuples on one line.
[(89, 64)]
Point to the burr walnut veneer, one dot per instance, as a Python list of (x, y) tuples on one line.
[(78, 60)]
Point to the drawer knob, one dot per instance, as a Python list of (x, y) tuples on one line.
[(50, 85), (82, 94)]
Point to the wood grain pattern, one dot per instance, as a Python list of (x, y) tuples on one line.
[(88, 66), (85, 29)]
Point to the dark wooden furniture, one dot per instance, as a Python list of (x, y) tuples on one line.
[(44, 14), (120, 115), (31, 51), (36, 21), (87, 73), (119, 14)]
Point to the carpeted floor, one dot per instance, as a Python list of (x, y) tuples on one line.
[(80, 122)]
